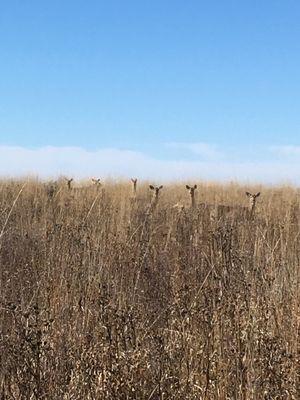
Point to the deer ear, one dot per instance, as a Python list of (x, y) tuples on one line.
[(248, 194), (151, 187), (132, 180), (188, 187), (195, 186), (161, 186), (257, 194)]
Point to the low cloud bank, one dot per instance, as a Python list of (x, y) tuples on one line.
[(50, 162), (204, 150)]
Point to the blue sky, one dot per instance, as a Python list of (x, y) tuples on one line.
[(184, 85)]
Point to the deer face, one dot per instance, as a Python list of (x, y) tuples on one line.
[(156, 190), (69, 182), (191, 189), (96, 182), (134, 181), (252, 198)]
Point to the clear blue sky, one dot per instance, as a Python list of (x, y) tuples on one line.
[(138, 74)]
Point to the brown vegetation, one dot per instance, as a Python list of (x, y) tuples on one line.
[(101, 299)]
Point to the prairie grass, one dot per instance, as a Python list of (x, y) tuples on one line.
[(101, 299)]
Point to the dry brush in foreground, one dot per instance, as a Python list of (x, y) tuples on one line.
[(102, 299)]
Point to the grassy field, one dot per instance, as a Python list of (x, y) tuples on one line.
[(102, 298)]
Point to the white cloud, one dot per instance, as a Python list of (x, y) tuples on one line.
[(80, 163), (53, 161), (286, 150), (205, 150)]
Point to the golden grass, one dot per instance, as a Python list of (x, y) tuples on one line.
[(101, 299)]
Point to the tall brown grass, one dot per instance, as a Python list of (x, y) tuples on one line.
[(101, 299)]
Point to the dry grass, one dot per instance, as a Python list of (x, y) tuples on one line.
[(101, 299)]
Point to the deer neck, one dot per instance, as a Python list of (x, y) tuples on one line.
[(252, 205), (134, 190), (193, 202), (155, 200)]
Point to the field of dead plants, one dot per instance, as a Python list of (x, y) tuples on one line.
[(104, 296)]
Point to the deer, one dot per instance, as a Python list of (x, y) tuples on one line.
[(206, 206), (252, 202), (97, 182), (246, 211), (52, 189), (134, 187), (69, 183), (192, 190), (156, 190)]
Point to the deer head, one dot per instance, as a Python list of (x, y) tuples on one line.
[(191, 190), (134, 182), (252, 200), (156, 190), (96, 182), (69, 183)]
